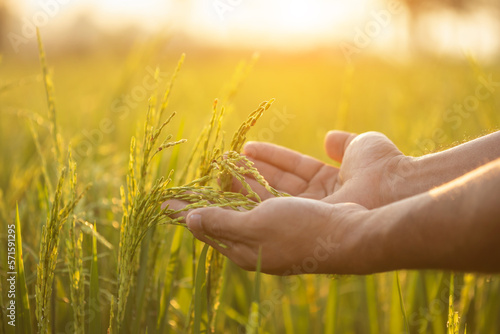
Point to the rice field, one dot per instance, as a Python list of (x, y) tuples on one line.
[(93, 144)]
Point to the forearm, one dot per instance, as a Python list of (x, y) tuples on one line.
[(455, 226), (418, 175)]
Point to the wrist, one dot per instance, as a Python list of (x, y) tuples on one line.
[(403, 235), (362, 252), (375, 244), (402, 179), (386, 237)]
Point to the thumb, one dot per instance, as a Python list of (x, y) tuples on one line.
[(336, 143), (218, 223)]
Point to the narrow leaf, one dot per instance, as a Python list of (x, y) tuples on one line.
[(94, 306), (23, 321), (199, 289)]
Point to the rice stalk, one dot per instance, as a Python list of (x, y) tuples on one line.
[(150, 248), (49, 90), (215, 268), (396, 319), (94, 306), (57, 216), (74, 254), (371, 302), (453, 323), (142, 197), (168, 283), (23, 321), (401, 302), (145, 289), (332, 306), (3, 209), (214, 164), (239, 137), (166, 96), (75, 270), (45, 172), (188, 172), (288, 320), (199, 291), (2, 313), (140, 203), (254, 321), (467, 293), (241, 73), (213, 146), (435, 284)]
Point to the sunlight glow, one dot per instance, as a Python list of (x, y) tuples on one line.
[(281, 23), (284, 24)]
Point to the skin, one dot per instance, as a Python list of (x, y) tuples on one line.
[(379, 211), (373, 171)]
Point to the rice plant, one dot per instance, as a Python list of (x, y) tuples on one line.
[(116, 256)]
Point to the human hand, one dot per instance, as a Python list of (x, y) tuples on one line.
[(427, 231), (370, 163), (297, 235)]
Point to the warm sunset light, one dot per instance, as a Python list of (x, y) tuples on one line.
[(249, 166), (291, 25)]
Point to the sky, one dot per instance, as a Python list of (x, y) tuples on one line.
[(284, 24)]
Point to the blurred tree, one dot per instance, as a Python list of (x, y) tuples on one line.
[(419, 8), (4, 14), (5, 22), (456, 5)]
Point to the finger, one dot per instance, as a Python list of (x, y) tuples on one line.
[(175, 205), (217, 223), (276, 177), (225, 231), (284, 159), (281, 180), (254, 185), (336, 143)]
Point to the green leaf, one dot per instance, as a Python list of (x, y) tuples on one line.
[(401, 302), (371, 302), (453, 323), (288, 320), (172, 267), (94, 305), (332, 306), (253, 324), (23, 322), (199, 290)]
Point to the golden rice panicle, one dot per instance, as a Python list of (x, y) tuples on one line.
[(57, 216), (74, 262), (240, 74), (48, 258), (239, 137), (166, 96), (140, 204), (250, 169), (74, 256), (211, 145), (237, 166), (237, 142), (49, 90)]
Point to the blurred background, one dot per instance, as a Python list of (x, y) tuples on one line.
[(314, 55), (424, 72), (394, 27)]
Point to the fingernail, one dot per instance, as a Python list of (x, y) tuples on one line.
[(249, 150), (194, 222)]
